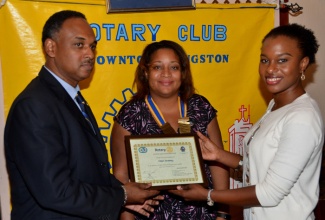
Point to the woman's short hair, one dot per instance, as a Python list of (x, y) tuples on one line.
[(305, 38)]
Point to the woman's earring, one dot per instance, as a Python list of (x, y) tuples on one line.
[(302, 77)]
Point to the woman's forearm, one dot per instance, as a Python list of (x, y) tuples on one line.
[(229, 159), (245, 196)]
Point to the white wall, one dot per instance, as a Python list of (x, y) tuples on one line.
[(4, 189), (313, 17)]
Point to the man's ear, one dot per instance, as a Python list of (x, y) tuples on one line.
[(49, 47)]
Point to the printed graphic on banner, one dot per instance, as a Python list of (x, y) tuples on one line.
[(236, 136), (222, 43)]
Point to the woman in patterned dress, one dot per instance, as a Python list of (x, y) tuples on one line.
[(163, 77)]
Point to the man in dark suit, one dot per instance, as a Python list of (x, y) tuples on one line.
[(56, 160)]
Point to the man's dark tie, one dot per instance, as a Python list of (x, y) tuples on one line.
[(83, 106)]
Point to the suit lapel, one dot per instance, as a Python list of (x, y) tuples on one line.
[(66, 100)]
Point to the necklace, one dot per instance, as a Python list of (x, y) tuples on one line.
[(183, 122)]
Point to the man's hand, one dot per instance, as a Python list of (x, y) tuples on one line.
[(147, 207), (140, 198), (138, 193)]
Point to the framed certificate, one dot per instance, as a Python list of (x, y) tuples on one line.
[(145, 5), (165, 160)]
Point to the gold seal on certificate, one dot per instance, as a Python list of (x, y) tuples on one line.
[(165, 160)]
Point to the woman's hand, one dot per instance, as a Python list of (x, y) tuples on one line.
[(193, 192), (210, 151)]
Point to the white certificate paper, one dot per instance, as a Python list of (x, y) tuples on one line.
[(165, 160)]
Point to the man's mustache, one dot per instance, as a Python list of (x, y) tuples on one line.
[(88, 61)]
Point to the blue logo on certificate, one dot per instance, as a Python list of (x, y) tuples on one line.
[(182, 148), (143, 150)]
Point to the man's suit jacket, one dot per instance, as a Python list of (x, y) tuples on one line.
[(57, 166)]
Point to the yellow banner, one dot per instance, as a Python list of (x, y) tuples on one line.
[(222, 42)]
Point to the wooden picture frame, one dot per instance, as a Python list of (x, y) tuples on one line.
[(145, 5)]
